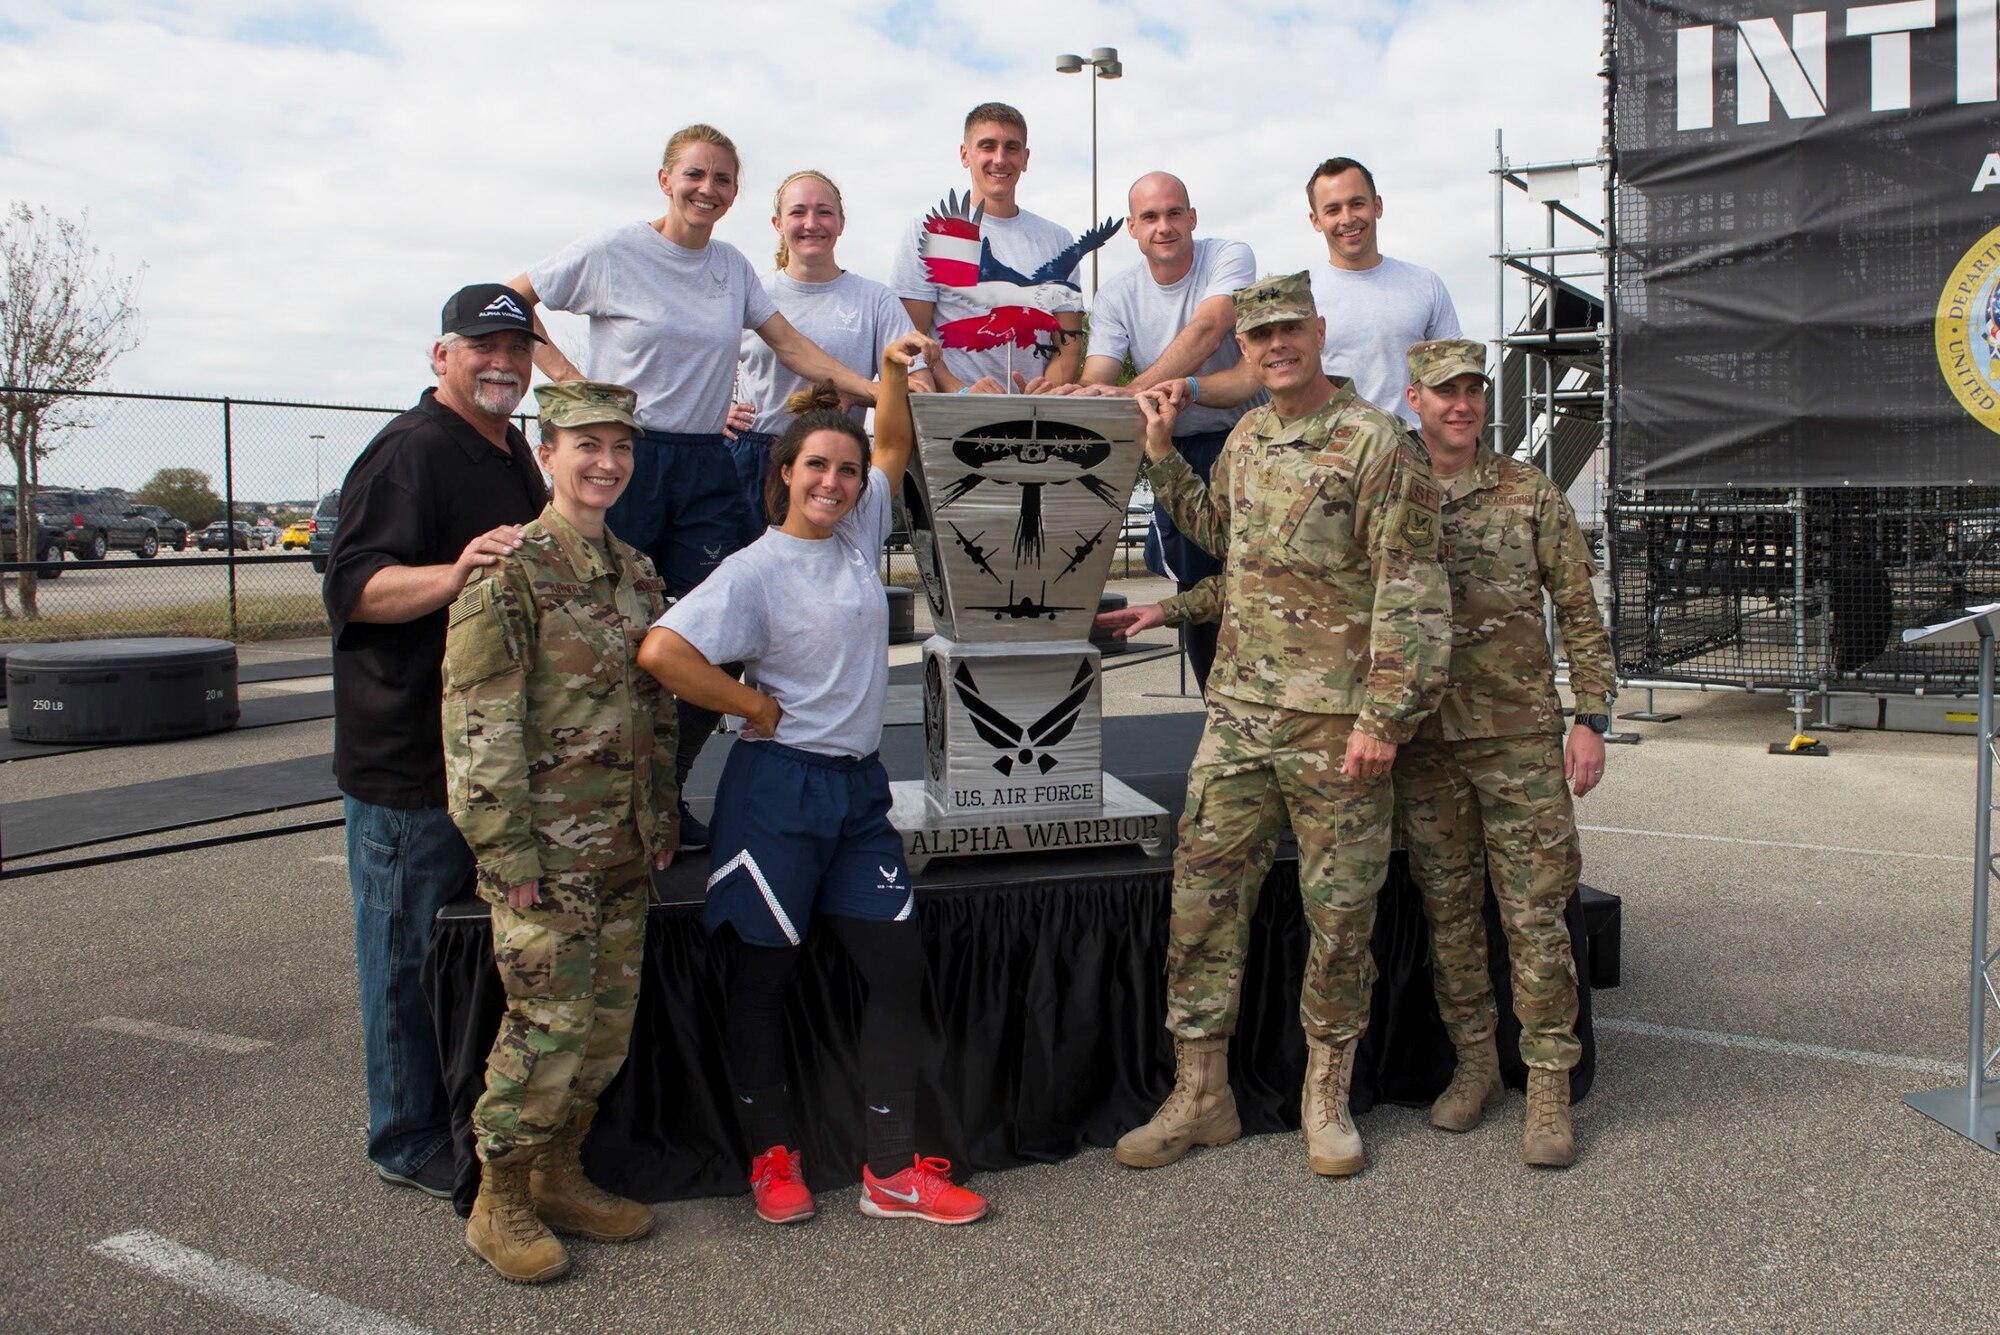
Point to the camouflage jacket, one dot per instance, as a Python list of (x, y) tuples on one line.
[(558, 747), (1509, 533), (1327, 529)]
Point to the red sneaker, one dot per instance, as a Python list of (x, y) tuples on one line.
[(924, 1190), (778, 1188)]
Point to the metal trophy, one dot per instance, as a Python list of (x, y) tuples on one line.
[(1015, 504)]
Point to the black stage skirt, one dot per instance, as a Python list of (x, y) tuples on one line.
[(1044, 1014)]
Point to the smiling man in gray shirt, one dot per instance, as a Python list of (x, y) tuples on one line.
[(1173, 317)]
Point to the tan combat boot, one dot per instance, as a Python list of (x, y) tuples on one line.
[(1547, 1141), (503, 1230), (1200, 1111), (569, 1202), (1331, 1140), (1475, 1082)]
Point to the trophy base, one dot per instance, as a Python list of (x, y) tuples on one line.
[(1126, 818)]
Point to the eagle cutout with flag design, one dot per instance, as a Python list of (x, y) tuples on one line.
[(1015, 308)]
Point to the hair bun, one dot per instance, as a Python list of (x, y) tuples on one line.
[(813, 398)]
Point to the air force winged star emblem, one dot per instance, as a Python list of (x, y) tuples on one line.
[(889, 874), (1030, 745)]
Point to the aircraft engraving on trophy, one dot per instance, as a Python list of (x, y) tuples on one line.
[(1023, 608), (977, 554), (919, 523), (1032, 456), (934, 716), (1082, 553)]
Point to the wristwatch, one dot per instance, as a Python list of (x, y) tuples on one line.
[(1597, 723)]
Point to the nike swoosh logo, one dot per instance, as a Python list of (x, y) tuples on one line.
[(873, 1107), (907, 1197)]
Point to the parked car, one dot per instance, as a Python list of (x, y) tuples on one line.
[(297, 534), (1138, 515), (48, 545), (267, 534), (326, 517), (95, 523), (173, 532), (218, 537)]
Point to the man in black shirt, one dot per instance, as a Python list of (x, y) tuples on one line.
[(441, 490)]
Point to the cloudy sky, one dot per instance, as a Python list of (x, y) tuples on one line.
[(305, 182)]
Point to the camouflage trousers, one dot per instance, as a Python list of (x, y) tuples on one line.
[(1258, 767), (570, 965), (1495, 808)]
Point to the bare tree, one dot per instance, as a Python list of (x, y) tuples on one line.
[(66, 314)]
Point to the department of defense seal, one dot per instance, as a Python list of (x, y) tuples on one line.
[(1968, 331)]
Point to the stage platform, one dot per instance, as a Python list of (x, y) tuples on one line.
[(1045, 1006)]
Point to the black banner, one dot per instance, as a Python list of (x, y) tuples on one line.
[(1807, 243)]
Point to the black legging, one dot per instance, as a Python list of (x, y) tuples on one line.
[(891, 960)]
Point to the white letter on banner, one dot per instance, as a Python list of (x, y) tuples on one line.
[(1888, 29), (1694, 79), (1978, 52), (1765, 63), (1989, 173)]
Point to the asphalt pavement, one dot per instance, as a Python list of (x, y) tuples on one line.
[(181, 1062)]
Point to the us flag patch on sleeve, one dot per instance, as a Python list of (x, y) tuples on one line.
[(470, 603)]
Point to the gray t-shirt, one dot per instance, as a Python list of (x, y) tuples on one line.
[(854, 319), (1372, 318), (809, 622), (1024, 243), (666, 322), (1133, 314)]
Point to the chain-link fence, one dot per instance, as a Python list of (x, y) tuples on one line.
[(163, 514), (1804, 590)]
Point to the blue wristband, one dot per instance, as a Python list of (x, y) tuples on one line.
[(1194, 390), (965, 389)]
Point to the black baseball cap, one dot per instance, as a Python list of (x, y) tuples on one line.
[(488, 308)]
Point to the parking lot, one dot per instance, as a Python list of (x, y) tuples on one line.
[(182, 1064)]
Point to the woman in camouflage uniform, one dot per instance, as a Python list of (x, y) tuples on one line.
[(559, 759)]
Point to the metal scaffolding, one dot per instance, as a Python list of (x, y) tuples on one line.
[(1551, 400)]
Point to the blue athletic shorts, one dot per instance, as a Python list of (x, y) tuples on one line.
[(796, 833), (684, 506), (751, 451)]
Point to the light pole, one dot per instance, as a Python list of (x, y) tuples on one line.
[(316, 438), (1103, 63)]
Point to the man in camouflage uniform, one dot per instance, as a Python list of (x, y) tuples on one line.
[(559, 754), (1325, 517), (1480, 790)]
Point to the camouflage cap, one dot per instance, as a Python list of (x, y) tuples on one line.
[(1441, 359), (582, 402), (1273, 298)]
